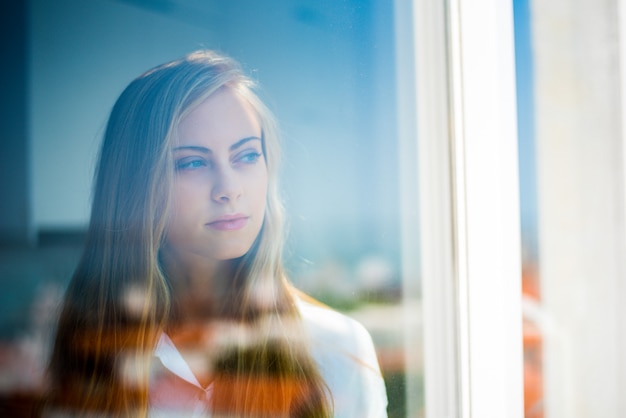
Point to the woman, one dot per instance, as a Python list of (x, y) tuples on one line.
[(180, 305)]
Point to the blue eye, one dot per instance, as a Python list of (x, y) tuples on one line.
[(190, 164), (249, 157)]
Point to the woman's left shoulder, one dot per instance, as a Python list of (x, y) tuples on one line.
[(339, 332), (329, 325), (345, 354)]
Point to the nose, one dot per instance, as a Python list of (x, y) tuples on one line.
[(227, 187)]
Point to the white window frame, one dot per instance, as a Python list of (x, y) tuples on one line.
[(457, 96)]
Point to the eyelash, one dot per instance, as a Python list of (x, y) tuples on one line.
[(249, 157), (191, 163), (186, 164)]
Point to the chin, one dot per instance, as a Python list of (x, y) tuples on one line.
[(233, 250), (232, 255)]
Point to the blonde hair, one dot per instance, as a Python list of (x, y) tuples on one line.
[(99, 339)]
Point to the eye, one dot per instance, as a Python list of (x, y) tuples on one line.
[(190, 163), (248, 157)]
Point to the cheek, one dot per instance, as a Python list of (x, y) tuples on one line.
[(260, 197), (183, 204), (256, 188), (187, 196)]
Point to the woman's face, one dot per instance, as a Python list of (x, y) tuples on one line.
[(220, 185)]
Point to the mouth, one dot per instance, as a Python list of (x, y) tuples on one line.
[(229, 222)]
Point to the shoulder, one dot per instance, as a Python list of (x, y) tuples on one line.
[(331, 330), (345, 355)]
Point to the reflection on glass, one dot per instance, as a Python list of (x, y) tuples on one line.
[(183, 263), (531, 303), (344, 251)]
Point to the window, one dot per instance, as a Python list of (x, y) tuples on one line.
[(445, 173)]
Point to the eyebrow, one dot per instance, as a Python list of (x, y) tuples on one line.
[(206, 150)]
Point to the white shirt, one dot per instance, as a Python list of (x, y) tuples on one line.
[(341, 347)]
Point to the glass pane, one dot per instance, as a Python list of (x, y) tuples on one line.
[(533, 354), (327, 71)]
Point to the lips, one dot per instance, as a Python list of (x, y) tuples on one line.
[(229, 222)]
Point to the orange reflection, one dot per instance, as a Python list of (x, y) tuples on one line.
[(533, 356)]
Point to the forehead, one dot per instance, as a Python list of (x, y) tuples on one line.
[(223, 118)]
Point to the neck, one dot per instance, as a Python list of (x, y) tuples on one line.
[(198, 284)]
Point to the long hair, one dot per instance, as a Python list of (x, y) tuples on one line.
[(119, 300)]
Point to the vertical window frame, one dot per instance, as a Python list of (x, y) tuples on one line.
[(463, 98)]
